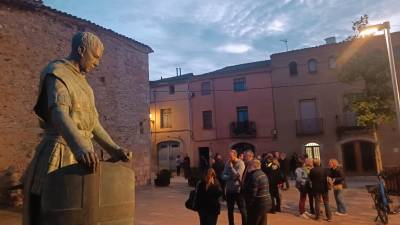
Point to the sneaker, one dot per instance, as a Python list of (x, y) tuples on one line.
[(340, 214), (304, 216), (329, 220)]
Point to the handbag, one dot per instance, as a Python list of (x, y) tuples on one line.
[(191, 202), (338, 187)]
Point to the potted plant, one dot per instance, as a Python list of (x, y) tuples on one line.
[(163, 178)]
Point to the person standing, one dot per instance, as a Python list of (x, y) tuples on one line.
[(256, 192), (294, 162), (247, 157), (218, 167), (319, 184), (337, 176), (284, 167), (186, 167), (232, 175), (208, 193), (303, 184), (178, 162), (275, 179)]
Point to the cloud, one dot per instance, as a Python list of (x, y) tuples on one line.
[(199, 35), (278, 25), (234, 48)]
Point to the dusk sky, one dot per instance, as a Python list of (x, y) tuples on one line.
[(202, 36)]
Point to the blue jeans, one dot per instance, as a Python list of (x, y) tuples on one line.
[(341, 207)]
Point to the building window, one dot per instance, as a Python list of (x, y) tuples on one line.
[(312, 66), (165, 118), (332, 62), (242, 114), (313, 150), (205, 88), (171, 89), (239, 84), (207, 120), (293, 68)]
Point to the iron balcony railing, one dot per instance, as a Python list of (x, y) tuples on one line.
[(347, 124), (243, 129)]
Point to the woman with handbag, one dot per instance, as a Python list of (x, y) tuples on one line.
[(337, 176), (208, 193)]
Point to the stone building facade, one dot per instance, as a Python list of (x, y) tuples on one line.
[(171, 132), (292, 103), (31, 35), (309, 105), (212, 113)]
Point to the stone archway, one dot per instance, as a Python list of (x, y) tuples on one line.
[(358, 157), (243, 146)]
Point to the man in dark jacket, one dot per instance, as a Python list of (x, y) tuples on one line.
[(318, 177), (218, 167), (256, 192)]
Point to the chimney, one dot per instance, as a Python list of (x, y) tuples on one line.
[(330, 40)]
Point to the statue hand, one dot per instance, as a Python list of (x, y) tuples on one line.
[(121, 154), (89, 160)]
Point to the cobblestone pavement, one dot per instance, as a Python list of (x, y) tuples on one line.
[(165, 206)]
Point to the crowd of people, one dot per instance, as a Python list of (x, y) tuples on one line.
[(255, 184)]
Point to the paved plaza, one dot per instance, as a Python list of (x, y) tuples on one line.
[(165, 206)]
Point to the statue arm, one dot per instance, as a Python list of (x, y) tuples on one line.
[(59, 107), (105, 141), (103, 138)]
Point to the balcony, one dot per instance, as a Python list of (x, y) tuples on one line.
[(346, 124), (243, 129), (311, 126)]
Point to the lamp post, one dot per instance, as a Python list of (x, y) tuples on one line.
[(386, 29)]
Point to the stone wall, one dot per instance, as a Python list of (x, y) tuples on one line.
[(30, 37)]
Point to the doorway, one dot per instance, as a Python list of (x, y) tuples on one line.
[(359, 157), (167, 152), (313, 150), (204, 158)]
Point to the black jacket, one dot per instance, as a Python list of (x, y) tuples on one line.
[(338, 175), (208, 199), (218, 167), (318, 177)]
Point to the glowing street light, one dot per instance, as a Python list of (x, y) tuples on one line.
[(368, 30)]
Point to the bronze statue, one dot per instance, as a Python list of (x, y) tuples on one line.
[(68, 115)]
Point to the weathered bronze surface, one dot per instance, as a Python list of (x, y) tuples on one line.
[(72, 196), (63, 183)]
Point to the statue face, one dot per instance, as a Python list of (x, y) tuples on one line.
[(89, 58)]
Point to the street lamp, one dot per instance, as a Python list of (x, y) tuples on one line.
[(368, 30)]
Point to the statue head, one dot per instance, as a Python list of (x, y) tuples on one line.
[(86, 50)]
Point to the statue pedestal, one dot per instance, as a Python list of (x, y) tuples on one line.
[(74, 196)]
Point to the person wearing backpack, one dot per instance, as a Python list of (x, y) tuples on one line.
[(303, 184)]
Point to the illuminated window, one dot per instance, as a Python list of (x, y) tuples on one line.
[(312, 150)]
